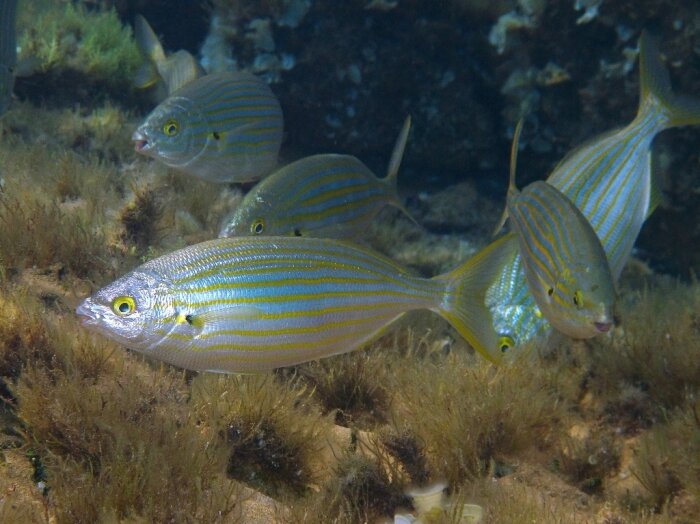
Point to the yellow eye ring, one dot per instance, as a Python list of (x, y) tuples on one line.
[(505, 343), (258, 226), (578, 299), (123, 306), (171, 127)]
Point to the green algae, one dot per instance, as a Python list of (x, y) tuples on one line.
[(59, 36)]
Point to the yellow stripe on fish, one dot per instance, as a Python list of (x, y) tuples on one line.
[(250, 304), (320, 196), (565, 265), (223, 127), (609, 180)]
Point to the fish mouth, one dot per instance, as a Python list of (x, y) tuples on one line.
[(141, 143), (85, 313), (603, 327)]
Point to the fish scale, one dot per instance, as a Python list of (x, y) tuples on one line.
[(609, 181), (248, 304), (223, 127), (321, 195)]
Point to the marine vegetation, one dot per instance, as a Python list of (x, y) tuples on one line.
[(598, 431), (55, 37)]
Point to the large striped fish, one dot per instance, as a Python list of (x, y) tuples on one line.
[(565, 265), (8, 52), (224, 127), (250, 304), (609, 180), (320, 196)]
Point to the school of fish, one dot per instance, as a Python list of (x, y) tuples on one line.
[(275, 294)]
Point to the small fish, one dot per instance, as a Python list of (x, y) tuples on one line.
[(321, 196), (174, 70), (224, 127), (565, 264), (609, 180), (252, 304), (8, 52)]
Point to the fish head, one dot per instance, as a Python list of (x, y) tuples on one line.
[(167, 133), (583, 305), (255, 216), (127, 310)]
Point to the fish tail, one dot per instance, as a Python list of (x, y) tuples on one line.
[(655, 87), (463, 304), (151, 49)]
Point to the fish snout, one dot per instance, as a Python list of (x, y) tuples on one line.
[(603, 326), (86, 313), (141, 143)]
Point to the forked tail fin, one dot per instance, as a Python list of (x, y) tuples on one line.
[(655, 85), (463, 304)]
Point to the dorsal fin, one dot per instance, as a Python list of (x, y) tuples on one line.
[(392, 170), (511, 174)]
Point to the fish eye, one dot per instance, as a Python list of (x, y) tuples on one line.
[(258, 226), (578, 299), (123, 306), (171, 127), (505, 343)]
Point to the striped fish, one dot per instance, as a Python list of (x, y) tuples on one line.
[(224, 127), (321, 196), (8, 52), (565, 265), (252, 304), (609, 180)]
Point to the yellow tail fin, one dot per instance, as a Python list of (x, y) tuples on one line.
[(655, 84), (464, 305)]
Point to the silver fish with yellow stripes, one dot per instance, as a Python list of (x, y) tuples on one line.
[(252, 304), (609, 180), (8, 52), (174, 71), (565, 265), (224, 127), (320, 196)]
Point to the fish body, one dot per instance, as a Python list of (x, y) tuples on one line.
[(609, 180), (224, 127), (322, 196), (8, 52), (174, 70), (565, 265), (251, 304)]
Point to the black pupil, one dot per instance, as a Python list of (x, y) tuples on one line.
[(171, 129), (124, 307), (258, 227)]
